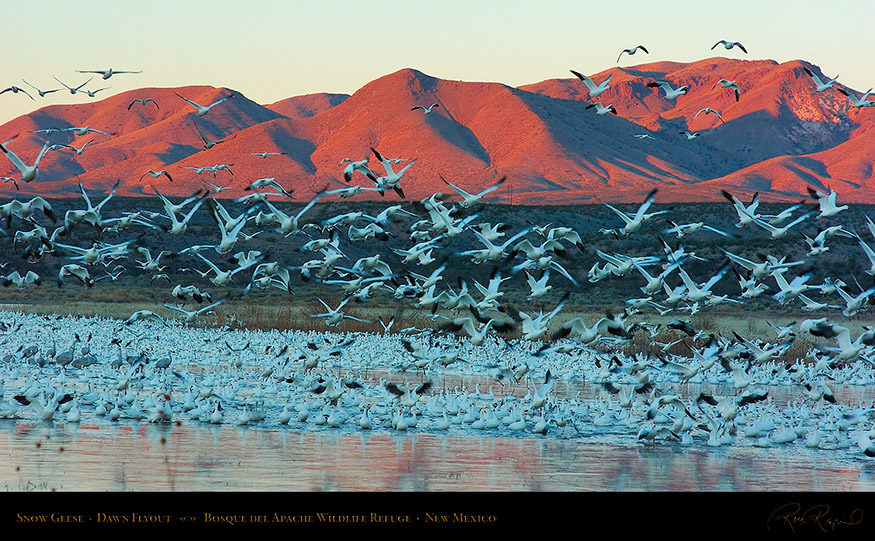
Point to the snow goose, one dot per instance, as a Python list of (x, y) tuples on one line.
[(729, 45), (594, 89), (827, 202), (391, 179), (601, 109), (631, 51), (28, 172), (201, 109), (42, 93), (106, 74), (469, 200), (143, 102), (671, 93), (709, 111), (857, 101), (73, 89), (819, 85), (424, 109), (723, 83), (15, 90)]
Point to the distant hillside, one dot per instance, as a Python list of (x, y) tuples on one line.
[(777, 139)]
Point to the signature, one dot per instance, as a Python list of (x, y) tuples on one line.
[(792, 515)]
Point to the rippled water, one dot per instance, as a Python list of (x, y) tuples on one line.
[(173, 457)]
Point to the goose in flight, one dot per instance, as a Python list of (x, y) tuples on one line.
[(209, 143), (334, 316), (728, 84), (763, 269), (684, 230), (633, 221), (631, 51), (360, 166), (178, 227), (222, 278), (746, 213), (28, 172), (790, 290), (827, 202), (73, 89), (78, 131), (191, 316), (696, 292), (93, 93), (819, 85), (20, 281), (729, 45), (156, 174), (42, 93), (854, 304), (269, 182), (426, 110), (857, 101), (709, 111), (391, 179), (106, 74), (15, 90), (689, 135), (77, 271), (90, 215), (594, 89), (25, 210), (469, 200), (535, 327), (287, 225), (143, 102), (77, 150), (201, 109), (671, 93), (780, 232), (601, 109), (848, 350)]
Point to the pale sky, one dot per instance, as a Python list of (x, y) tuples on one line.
[(271, 49)]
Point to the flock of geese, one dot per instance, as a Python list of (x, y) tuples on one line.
[(545, 374)]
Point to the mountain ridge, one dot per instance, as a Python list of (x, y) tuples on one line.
[(778, 138)]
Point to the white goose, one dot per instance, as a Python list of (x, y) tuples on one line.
[(28, 172), (391, 179), (106, 74), (728, 84), (73, 89), (42, 93), (827, 202), (633, 221), (857, 101), (201, 109), (361, 166), (631, 51), (15, 90), (709, 111), (601, 109), (191, 316), (469, 200), (143, 102), (819, 85), (426, 110), (729, 45), (594, 89), (671, 93)]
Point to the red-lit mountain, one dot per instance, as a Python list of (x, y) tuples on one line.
[(778, 138)]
